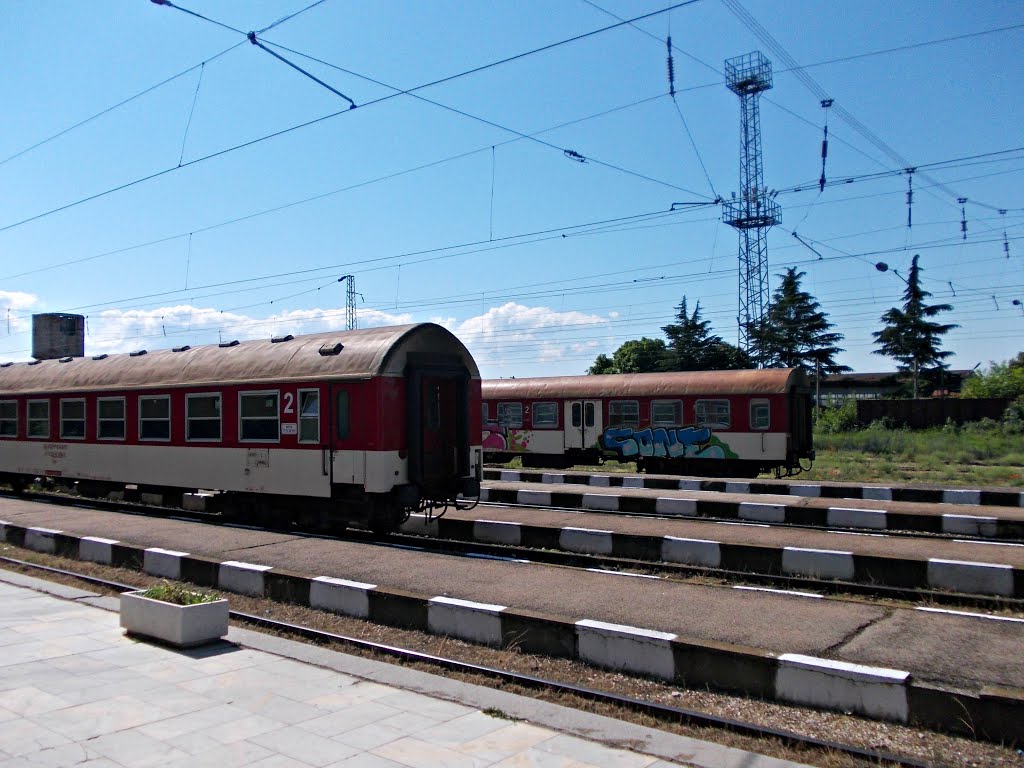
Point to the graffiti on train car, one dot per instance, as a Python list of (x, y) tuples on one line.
[(675, 442), (498, 438)]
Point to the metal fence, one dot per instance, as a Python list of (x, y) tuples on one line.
[(928, 412)]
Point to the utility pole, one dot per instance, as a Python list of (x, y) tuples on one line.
[(756, 210)]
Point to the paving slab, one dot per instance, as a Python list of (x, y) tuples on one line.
[(418, 719)]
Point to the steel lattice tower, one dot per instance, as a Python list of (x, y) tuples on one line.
[(351, 322), (755, 210)]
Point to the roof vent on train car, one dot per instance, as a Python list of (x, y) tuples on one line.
[(232, 343), (331, 349), (182, 348), (34, 362), (6, 365), (66, 359), (100, 357), (279, 339), (140, 353)]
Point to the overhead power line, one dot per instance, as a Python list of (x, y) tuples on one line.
[(111, 108), (331, 115), (812, 85)]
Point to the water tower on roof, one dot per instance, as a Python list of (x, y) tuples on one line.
[(56, 335)]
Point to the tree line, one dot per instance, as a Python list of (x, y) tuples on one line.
[(795, 333)]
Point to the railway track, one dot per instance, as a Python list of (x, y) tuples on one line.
[(659, 712), (804, 586)]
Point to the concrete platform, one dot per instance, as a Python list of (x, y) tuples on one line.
[(918, 493), (738, 504), (912, 562), (752, 641), (74, 690)]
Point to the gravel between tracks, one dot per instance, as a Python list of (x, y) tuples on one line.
[(911, 742)]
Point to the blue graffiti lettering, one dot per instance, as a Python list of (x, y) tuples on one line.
[(676, 442)]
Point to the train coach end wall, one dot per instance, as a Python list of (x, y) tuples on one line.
[(928, 412)]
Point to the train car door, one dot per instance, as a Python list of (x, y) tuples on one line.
[(582, 423), (440, 457), (438, 421)]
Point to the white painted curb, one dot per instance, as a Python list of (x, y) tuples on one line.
[(476, 622), (810, 491), (600, 481), (819, 563), (765, 513), (667, 505), (974, 578), (41, 540), (497, 532), (838, 685), (552, 477), (614, 646), (420, 525), (961, 496), (970, 525), (349, 598), (96, 550), (606, 502), (165, 563), (243, 578), (734, 487), (509, 476), (876, 494), (691, 551), (849, 517), (585, 540), (542, 498)]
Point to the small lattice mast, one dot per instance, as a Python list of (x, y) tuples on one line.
[(756, 210)]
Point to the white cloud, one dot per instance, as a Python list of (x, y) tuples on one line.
[(512, 332), (126, 330), (16, 310)]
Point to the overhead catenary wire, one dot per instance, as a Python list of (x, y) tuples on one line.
[(119, 104), (331, 115)]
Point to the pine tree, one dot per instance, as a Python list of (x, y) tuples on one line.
[(909, 337), (796, 333), (692, 346)]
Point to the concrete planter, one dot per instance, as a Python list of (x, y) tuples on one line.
[(183, 626)]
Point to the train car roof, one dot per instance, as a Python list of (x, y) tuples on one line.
[(767, 381), (334, 355)]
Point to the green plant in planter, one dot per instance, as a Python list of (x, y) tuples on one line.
[(179, 594)]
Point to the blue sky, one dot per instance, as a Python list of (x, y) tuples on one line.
[(537, 261)]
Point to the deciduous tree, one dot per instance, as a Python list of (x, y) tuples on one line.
[(635, 356), (909, 336)]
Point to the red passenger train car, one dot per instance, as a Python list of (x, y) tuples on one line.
[(710, 423), (349, 426)]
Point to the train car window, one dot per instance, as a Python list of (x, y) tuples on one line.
[(713, 413), (624, 413), (545, 414), (155, 418), (259, 418), (434, 407), (667, 413), (72, 419), (483, 413), (309, 416), (110, 418), (577, 414), (510, 414), (760, 414), (202, 417), (342, 418), (8, 418), (39, 418), (588, 415)]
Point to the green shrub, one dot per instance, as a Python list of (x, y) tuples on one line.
[(830, 421), (179, 594)]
